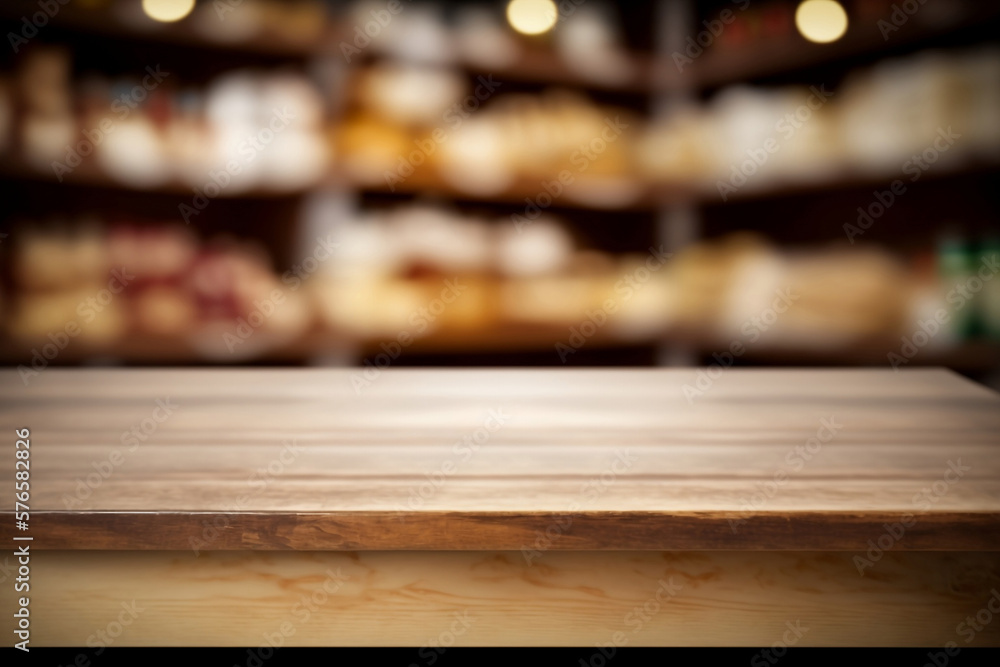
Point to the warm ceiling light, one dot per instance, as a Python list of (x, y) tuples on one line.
[(532, 17), (167, 11), (821, 21)]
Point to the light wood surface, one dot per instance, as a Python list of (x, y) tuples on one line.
[(595, 459), (564, 598)]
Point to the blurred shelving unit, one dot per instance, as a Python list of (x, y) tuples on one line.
[(812, 212), (676, 215), (864, 42)]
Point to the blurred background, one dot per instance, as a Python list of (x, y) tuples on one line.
[(398, 183)]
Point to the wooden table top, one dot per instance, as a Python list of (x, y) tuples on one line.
[(319, 459)]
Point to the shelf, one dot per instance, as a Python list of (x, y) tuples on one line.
[(87, 174), (537, 65), (848, 180), (525, 192), (534, 65), (544, 66), (720, 67), (973, 355), (654, 195), (319, 342), (104, 23), (578, 194), (506, 337)]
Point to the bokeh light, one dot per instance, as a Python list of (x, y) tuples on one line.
[(821, 21), (167, 11), (532, 17)]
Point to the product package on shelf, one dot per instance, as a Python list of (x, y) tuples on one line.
[(109, 287)]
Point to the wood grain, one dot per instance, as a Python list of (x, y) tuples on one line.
[(593, 459), (565, 598)]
